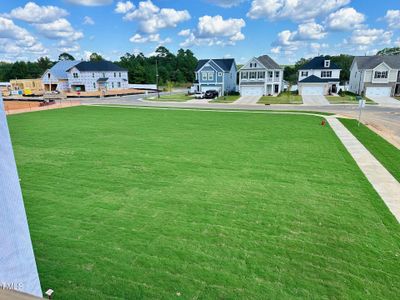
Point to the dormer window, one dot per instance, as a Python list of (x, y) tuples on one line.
[(304, 73), (327, 63), (251, 65), (381, 75)]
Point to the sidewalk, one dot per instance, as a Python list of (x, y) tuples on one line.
[(383, 182)]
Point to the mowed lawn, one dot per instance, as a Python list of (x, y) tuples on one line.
[(164, 204)]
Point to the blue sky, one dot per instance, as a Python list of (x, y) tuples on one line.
[(284, 29)]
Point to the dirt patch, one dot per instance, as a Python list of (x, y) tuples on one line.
[(14, 105)]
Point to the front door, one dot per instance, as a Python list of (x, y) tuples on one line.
[(276, 88), (397, 90)]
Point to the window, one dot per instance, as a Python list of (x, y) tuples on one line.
[(304, 73), (253, 75), (276, 74), (48, 75), (326, 74), (245, 75), (327, 63), (270, 74), (112, 84), (104, 75), (210, 76), (119, 74), (115, 74), (119, 84), (75, 75), (92, 75), (255, 65), (261, 75), (251, 65), (94, 84), (220, 74), (381, 75), (203, 75)]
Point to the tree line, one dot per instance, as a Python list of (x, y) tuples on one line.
[(170, 67)]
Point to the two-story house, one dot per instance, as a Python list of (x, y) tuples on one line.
[(320, 76), (56, 78), (85, 76), (261, 76), (216, 74), (375, 75)]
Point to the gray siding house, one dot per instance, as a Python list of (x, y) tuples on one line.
[(261, 76), (375, 75), (216, 74), (85, 76)]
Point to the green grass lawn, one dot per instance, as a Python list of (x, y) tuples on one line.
[(283, 98), (172, 98), (148, 203), (347, 98), (226, 99), (386, 153)]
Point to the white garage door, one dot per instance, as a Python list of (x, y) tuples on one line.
[(312, 90), (378, 91), (252, 90)]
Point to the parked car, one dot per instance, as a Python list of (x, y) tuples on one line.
[(211, 94), (199, 95)]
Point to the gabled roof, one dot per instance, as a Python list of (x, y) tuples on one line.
[(315, 79), (370, 62), (317, 63), (224, 63), (98, 66), (268, 62), (59, 70)]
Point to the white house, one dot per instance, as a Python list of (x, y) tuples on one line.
[(85, 76), (320, 76), (375, 75), (261, 76), (216, 74)]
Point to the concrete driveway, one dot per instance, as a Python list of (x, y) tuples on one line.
[(247, 100), (314, 100), (385, 100)]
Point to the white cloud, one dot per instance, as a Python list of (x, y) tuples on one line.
[(393, 19), (310, 31), (15, 40), (65, 46), (88, 21), (290, 42), (295, 10), (152, 38), (185, 32), (90, 2), (365, 37), (59, 29), (124, 7), (344, 19), (214, 31), (226, 3), (151, 18), (33, 13)]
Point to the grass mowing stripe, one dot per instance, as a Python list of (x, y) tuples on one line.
[(387, 154), (148, 203)]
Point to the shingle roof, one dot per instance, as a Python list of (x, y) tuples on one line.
[(268, 62), (370, 62), (317, 63), (59, 70), (224, 63), (315, 79), (98, 66)]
